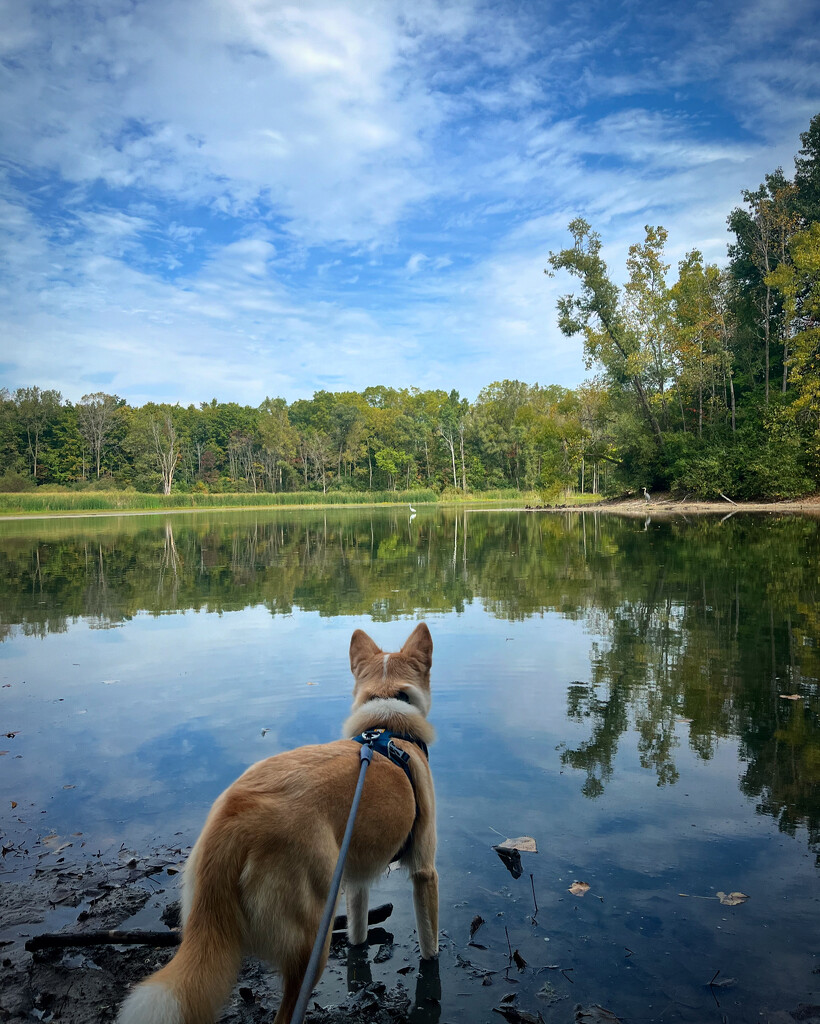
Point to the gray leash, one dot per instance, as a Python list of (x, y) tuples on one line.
[(300, 1009)]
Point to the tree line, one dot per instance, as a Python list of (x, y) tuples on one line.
[(706, 384)]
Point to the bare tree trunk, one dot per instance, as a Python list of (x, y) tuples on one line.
[(767, 334), (463, 470)]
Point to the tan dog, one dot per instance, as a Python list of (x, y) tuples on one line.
[(258, 876)]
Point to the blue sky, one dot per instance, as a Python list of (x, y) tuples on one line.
[(241, 198)]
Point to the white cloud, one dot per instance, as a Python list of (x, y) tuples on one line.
[(264, 197)]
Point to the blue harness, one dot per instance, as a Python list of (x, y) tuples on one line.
[(381, 740)]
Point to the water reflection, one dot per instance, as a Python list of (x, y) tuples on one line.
[(701, 625), (609, 686)]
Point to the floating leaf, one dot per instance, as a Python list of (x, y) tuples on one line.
[(511, 859), (265, 732), (475, 924), (519, 960), (515, 1016), (69, 787), (790, 696), (526, 844), (595, 1014), (13, 804), (11, 735), (733, 899), (579, 888)]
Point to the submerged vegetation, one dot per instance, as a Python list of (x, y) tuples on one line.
[(705, 385)]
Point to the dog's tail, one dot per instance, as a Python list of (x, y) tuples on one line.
[(193, 987)]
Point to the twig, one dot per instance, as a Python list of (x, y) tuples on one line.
[(509, 947), (534, 900), (165, 937), (727, 499)]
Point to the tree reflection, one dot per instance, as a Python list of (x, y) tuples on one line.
[(697, 627)]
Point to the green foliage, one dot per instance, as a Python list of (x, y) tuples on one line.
[(12, 482), (114, 501)]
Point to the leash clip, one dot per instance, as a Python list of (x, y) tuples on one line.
[(371, 735)]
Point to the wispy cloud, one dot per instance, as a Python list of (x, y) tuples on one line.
[(255, 197)]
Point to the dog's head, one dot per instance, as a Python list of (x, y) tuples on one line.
[(402, 676)]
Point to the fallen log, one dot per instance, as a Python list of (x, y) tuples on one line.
[(164, 937)]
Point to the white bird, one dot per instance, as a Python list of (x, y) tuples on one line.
[(411, 509), (647, 495)]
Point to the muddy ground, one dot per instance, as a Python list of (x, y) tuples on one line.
[(52, 885), (663, 504), (85, 984)]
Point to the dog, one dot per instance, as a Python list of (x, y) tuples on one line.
[(257, 878)]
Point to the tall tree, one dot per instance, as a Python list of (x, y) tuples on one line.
[(165, 445), (763, 232), (95, 421), (807, 174), (36, 411), (599, 315)]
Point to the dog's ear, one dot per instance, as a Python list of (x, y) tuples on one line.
[(361, 649), (419, 646)]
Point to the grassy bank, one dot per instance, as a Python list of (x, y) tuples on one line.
[(43, 501)]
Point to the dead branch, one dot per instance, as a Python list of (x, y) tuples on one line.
[(727, 499), (165, 937)]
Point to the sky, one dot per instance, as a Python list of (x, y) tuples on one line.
[(236, 199)]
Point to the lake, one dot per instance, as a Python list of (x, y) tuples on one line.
[(639, 695)]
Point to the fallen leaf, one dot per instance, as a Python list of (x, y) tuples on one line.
[(526, 844), (733, 899), (265, 732), (790, 696), (511, 859), (475, 924), (518, 1016), (311, 684), (519, 960), (11, 735), (723, 983), (13, 804), (595, 1014), (69, 787), (579, 888)]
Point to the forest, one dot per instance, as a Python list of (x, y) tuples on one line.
[(705, 381)]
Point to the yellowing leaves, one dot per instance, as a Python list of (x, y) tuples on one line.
[(732, 899), (526, 844)]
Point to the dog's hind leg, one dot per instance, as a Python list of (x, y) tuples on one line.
[(293, 967), (356, 898), (425, 901)]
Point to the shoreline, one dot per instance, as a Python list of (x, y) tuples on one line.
[(621, 506)]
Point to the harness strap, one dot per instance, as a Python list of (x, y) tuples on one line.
[(381, 740)]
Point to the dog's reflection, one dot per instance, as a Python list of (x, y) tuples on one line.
[(426, 1008)]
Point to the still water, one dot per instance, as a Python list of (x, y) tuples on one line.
[(612, 687)]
